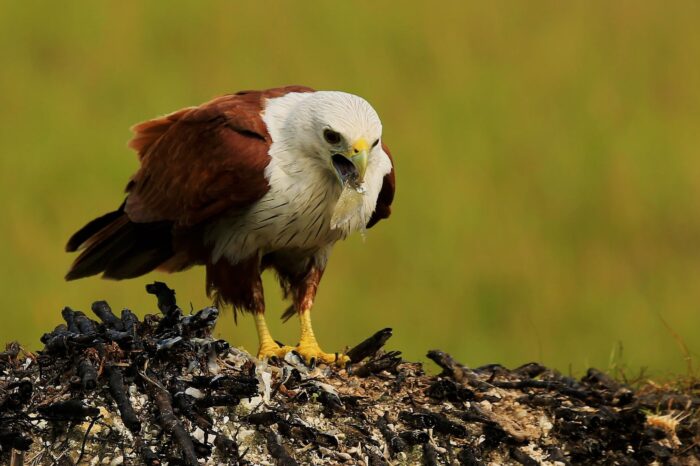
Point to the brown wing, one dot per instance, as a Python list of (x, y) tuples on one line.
[(386, 194), (196, 163), (202, 161)]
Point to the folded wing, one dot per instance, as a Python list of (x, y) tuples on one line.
[(196, 164)]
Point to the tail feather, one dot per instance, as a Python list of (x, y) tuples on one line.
[(79, 238), (119, 248), (150, 246)]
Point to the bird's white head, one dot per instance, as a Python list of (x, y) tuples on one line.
[(340, 131)]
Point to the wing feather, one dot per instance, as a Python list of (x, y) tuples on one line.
[(202, 161)]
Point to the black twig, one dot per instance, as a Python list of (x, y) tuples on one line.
[(278, 451), (104, 312), (169, 422), (370, 346), (87, 374), (430, 457), (87, 433), (385, 362), (119, 395)]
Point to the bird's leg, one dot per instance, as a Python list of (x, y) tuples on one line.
[(268, 347), (308, 345)]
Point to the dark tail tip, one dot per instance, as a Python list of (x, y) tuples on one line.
[(81, 236)]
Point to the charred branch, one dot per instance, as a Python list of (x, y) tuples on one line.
[(163, 390), (69, 410), (104, 312), (87, 374), (278, 451), (117, 390), (384, 362), (169, 422), (370, 346)]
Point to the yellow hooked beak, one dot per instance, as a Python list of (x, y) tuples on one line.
[(359, 153), (350, 165)]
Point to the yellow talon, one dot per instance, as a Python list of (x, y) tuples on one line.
[(308, 346), (311, 350), (308, 352), (273, 350)]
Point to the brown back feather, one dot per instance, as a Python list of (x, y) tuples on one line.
[(203, 161), (147, 133)]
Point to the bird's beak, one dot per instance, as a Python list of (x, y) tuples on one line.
[(360, 153), (351, 165)]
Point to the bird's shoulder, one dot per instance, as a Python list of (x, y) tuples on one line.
[(241, 111), (199, 162)]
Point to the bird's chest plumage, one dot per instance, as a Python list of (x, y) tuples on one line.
[(299, 217), (294, 215)]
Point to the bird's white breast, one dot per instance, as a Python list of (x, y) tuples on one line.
[(296, 212)]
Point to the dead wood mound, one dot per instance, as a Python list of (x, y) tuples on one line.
[(163, 391)]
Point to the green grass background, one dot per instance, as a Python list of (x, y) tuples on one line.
[(547, 158)]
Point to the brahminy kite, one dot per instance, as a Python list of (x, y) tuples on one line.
[(246, 182)]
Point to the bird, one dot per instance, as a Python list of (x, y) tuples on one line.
[(248, 181)]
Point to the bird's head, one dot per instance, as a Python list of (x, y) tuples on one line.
[(341, 131)]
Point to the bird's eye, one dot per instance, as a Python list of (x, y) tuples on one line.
[(331, 136), (374, 144)]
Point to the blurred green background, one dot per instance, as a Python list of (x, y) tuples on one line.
[(547, 158)]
